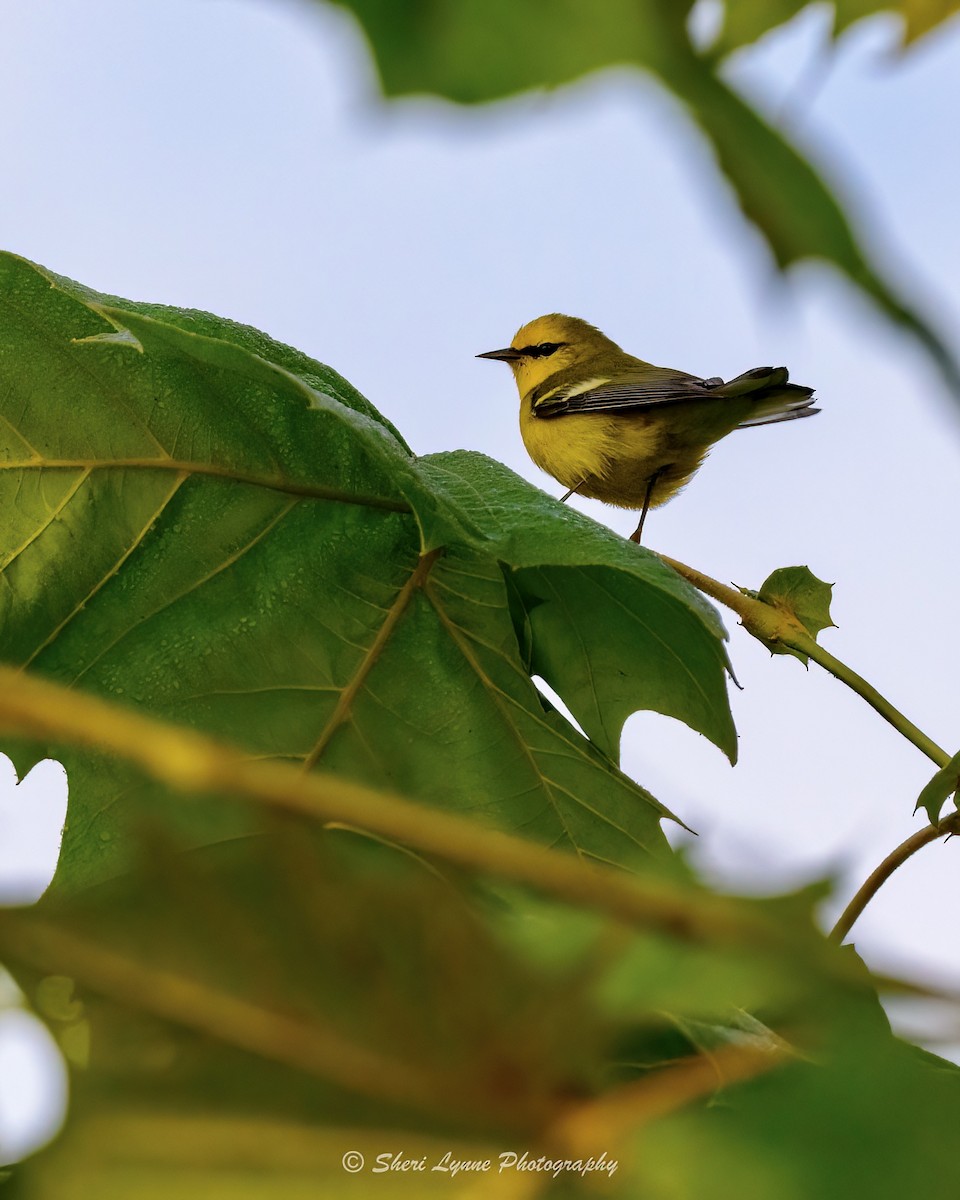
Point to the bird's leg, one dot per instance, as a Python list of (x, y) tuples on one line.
[(566, 495), (638, 532)]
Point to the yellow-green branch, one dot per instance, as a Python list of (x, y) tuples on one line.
[(773, 626), (896, 858), (191, 763)]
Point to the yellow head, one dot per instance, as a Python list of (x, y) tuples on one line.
[(550, 344)]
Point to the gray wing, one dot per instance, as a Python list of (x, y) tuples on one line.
[(619, 395)]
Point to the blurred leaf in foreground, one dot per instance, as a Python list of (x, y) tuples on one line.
[(744, 21), (474, 51), (867, 1118), (267, 987), (747, 20), (260, 1008)]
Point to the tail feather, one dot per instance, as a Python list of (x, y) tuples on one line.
[(757, 379), (774, 398), (805, 410)]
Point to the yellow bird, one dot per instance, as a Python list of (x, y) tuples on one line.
[(615, 428)]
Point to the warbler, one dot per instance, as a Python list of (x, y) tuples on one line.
[(616, 428)]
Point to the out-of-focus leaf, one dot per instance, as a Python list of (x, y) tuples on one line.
[(864, 1117), (472, 51), (250, 1004), (783, 194), (300, 976), (747, 20), (115, 1153), (940, 788), (212, 528), (477, 50), (261, 1008), (744, 21), (640, 974), (919, 16)]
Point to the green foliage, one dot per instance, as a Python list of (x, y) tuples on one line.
[(867, 1119), (471, 51), (744, 21), (211, 530), (941, 787), (255, 1009), (478, 50), (747, 20), (586, 596)]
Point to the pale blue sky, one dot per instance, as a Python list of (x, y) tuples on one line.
[(232, 156)]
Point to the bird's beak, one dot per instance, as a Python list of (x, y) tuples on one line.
[(508, 354)]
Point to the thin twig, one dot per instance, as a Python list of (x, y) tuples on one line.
[(896, 858), (773, 626), (877, 702)]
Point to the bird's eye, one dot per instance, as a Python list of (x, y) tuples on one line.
[(546, 348)]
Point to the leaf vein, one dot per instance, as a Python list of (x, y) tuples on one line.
[(194, 586), (101, 583), (44, 525)]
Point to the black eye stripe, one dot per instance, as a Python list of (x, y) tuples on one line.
[(543, 350)]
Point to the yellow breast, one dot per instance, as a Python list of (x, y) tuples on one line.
[(610, 458), (571, 448)]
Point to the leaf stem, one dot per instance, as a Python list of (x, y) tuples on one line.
[(876, 701), (773, 626), (878, 877), (191, 763)]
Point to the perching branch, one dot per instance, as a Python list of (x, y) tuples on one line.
[(773, 626)]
